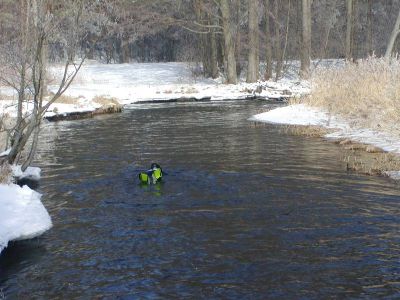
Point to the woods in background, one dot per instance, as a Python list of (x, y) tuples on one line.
[(225, 36), (229, 35)]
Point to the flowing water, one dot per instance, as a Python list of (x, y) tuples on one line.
[(245, 212)]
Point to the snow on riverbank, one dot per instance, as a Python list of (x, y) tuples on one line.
[(22, 214), (147, 81), (135, 82), (300, 114)]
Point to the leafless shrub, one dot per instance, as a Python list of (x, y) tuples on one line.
[(67, 100), (372, 164), (189, 90), (6, 97), (366, 92), (311, 131), (105, 100)]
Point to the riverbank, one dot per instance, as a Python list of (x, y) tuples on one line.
[(99, 85), (358, 104), (22, 214), (343, 132)]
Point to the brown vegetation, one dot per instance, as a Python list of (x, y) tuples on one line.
[(106, 101), (5, 173), (312, 131), (366, 93), (372, 164), (361, 158), (6, 97), (64, 99)]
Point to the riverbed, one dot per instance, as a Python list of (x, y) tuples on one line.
[(245, 211)]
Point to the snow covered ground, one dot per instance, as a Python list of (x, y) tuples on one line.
[(147, 81), (134, 82), (300, 114)]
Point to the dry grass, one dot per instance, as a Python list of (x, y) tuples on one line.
[(7, 97), (106, 101), (6, 123), (373, 164), (5, 173), (311, 131), (64, 99), (366, 92), (189, 90)]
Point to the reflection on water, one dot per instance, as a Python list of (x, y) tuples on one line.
[(244, 212)]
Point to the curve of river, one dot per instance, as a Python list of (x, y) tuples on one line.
[(245, 212)]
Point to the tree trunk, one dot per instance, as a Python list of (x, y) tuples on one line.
[(238, 39), (393, 37), (32, 152), (354, 45), (253, 59), (278, 47), (306, 39), (268, 42), (228, 42), (349, 29), (202, 40), (126, 57), (213, 54), (369, 28)]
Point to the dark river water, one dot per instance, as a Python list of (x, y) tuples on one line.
[(245, 212)]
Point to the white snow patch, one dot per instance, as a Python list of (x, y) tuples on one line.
[(32, 173), (298, 114), (393, 174), (301, 114), (5, 153), (22, 214)]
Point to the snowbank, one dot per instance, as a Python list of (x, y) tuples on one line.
[(298, 114), (301, 114), (22, 214), (5, 153), (31, 173)]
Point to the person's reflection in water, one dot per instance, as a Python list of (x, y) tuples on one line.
[(156, 188)]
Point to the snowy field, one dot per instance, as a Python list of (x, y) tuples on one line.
[(130, 83), (135, 82), (300, 114)]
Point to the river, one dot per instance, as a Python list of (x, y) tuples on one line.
[(245, 212)]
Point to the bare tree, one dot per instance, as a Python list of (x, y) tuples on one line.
[(26, 58), (349, 29), (393, 37), (253, 54), (306, 39), (228, 42), (268, 41), (369, 28)]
